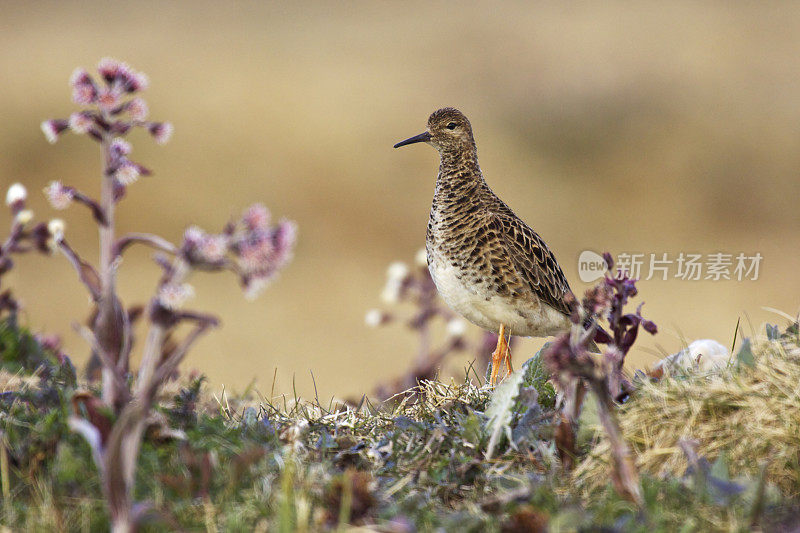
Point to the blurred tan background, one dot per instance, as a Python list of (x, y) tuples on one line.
[(628, 127)]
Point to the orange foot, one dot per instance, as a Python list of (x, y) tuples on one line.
[(501, 353)]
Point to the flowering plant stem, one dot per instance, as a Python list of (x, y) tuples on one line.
[(252, 248)]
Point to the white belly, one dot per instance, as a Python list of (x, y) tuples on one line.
[(479, 305)]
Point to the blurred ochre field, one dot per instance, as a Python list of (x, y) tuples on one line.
[(627, 127)]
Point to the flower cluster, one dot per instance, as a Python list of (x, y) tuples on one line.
[(252, 247), (570, 357), (112, 111), (24, 237)]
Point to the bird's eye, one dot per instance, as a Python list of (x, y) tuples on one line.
[(451, 126)]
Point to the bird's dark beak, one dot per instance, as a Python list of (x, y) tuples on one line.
[(421, 138)]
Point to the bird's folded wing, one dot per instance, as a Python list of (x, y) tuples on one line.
[(533, 260)]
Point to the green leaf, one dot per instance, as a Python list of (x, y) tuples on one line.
[(501, 410), (745, 355), (720, 468)]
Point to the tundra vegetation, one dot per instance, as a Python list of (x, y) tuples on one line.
[(569, 441)]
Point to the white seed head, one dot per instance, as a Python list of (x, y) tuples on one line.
[(56, 229), (397, 271), (24, 217), (391, 291), (421, 258), (50, 132), (16, 193), (373, 318), (456, 327)]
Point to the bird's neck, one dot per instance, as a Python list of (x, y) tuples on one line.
[(459, 173)]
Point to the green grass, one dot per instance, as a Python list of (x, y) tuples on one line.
[(418, 462)]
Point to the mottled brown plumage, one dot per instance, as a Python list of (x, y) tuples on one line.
[(486, 262)]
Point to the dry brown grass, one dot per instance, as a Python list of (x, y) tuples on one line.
[(751, 414)]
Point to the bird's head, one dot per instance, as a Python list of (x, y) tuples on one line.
[(448, 131)]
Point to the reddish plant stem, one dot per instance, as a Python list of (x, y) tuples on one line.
[(105, 327)]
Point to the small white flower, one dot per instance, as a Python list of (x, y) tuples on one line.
[(193, 235), (255, 286), (397, 271), (373, 318), (391, 292), (59, 196), (173, 296), (127, 173), (24, 217), (16, 193), (56, 229), (456, 327), (421, 258)]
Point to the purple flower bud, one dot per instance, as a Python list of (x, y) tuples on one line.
[(84, 91), (120, 147), (135, 81), (110, 68), (59, 195), (609, 260), (650, 327), (161, 131), (53, 128)]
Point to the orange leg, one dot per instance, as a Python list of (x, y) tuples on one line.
[(500, 353)]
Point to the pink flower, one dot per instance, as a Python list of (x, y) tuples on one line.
[(161, 131), (80, 122), (255, 252), (108, 99), (53, 128), (137, 109), (256, 217), (59, 195), (213, 248)]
